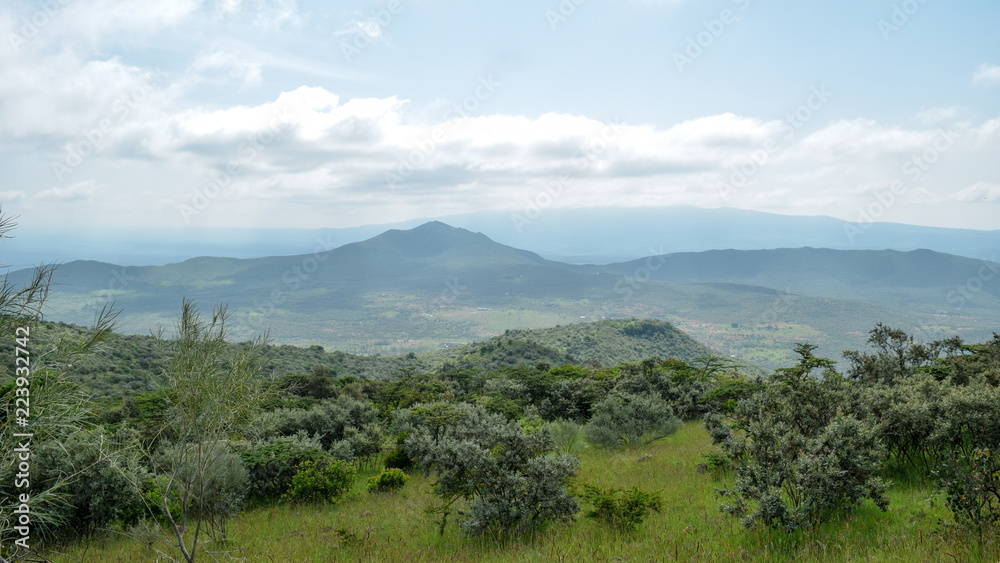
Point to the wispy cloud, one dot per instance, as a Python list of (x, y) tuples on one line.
[(987, 74)]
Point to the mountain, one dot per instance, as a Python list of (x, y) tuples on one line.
[(586, 235), (918, 277), (437, 286)]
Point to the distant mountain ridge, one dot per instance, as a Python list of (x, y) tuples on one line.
[(585, 235), (848, 274), (433, 285)]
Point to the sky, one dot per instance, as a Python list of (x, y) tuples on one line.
[(165, 114)]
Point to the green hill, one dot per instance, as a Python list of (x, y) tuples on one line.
[(129, 364), (606, 343)]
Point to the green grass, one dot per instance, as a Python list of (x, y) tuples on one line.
[(394, 527)]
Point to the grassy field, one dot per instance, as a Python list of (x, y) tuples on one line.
[(394, 527)]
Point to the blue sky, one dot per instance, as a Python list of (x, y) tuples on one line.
[(250, 113)]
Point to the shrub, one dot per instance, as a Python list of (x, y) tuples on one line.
[(387, 480), (972, 484), (620, 509), (511, 479), (397, 458), (631, 420), (204, 479), (272, 464), (324, 481), (567, 435), (344, 425), (798, 459), (103, 492)]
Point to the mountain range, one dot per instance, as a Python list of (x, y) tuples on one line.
[(437, 286), (588, 235)]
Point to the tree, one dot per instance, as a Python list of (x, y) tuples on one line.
[(214, 390), (798, 458), (897, 355), (35, 387)]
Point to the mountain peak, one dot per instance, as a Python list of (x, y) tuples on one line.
[(439, 241)]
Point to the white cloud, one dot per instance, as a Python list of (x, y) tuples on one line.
[(987, 74), (864, 139), (980, 192), (79, 191), (936, 115)]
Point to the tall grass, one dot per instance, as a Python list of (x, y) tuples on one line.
[(394, 527)]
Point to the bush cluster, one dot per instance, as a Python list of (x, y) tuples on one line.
[(387, 480)]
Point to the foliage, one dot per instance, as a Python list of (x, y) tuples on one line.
[(620, 509), (931, 412), (972, 485), (103, 470), (272, 463), (629, 420), (201, 481), (321, 481), (387, 480), (215, 392), (798, 459), (397, 458), (567, 436), (61, 414), (347, 426), (317, 384), (512, 481), (897, 355)]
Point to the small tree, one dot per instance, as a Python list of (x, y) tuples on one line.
[(214, 390), (629, 420)]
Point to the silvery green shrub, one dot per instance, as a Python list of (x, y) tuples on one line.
[(798, 458), (511, 481), (631, 420)]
